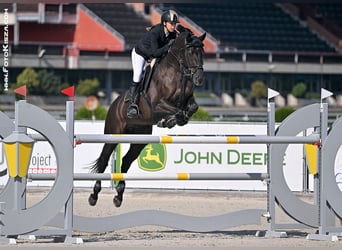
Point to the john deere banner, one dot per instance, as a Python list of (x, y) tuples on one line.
[(212, 158)]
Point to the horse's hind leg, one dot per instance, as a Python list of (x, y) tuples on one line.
[(94, 196), (120, 189), (99, 167), (127, 160)]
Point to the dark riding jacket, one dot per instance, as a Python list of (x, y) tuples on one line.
[(154, 43)]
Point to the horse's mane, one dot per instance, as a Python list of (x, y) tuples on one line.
[(184, 36), (187, 35), (183, 32)]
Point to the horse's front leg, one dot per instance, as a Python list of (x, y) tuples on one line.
[(192, 107), (183, 116), (167, 119)]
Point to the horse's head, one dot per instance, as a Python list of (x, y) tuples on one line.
[(188, 50)]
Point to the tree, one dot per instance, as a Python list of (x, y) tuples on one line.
[(29, 77), (258, 91), (49, 83), (88, 87), (299, 90)]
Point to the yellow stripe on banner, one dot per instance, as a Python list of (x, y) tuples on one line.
[(118, 177), (166, 139), (183, 176), (232, 139)]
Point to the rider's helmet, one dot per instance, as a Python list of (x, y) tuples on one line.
[(169, 16)]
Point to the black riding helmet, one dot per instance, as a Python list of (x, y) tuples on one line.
[(169, 16)]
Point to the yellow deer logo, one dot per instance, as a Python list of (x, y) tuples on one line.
[(151, 157)]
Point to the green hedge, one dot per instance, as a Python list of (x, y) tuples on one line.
[(201, 115), (83, 114), (282, 113)]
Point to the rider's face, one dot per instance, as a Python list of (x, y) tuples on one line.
[(170, 26)]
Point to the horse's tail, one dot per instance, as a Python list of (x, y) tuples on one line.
[(101, 163)]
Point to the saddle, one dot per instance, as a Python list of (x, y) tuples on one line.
[(145, 82), (149, 69)]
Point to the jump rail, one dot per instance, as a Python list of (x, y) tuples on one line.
[(156, 177), (258, 139), (186, 139)]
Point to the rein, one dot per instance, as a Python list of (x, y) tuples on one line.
[(187, 71)]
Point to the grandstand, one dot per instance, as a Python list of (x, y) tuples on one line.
[(254, 26), (280, 44), (125, 20)]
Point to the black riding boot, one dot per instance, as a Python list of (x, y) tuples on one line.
[(133, 108)]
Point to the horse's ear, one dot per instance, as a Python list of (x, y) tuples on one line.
[(202, 37)]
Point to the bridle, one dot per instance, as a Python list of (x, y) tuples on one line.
[(188, 71)]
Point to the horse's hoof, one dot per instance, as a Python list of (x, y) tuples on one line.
[(171, 123), (117, 202), (92, 200), (161, 124), (182, 123)]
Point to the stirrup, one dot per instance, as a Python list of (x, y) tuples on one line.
[(129, 96), (133, 108)]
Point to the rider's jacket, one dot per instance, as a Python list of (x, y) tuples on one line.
[(154, 43)]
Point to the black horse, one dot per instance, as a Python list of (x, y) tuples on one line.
[(165, 99)]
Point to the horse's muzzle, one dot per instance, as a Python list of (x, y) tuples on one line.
[(198, 77)]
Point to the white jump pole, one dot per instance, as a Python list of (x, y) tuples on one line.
[(190, 139), (155, 177), (142, 139)]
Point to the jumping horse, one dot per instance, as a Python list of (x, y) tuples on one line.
[(166, 99)]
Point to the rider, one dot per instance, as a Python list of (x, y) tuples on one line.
[(155, 43)]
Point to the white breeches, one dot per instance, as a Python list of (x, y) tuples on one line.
[(138, 63)]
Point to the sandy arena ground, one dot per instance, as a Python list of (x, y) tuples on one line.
[(196, 203)]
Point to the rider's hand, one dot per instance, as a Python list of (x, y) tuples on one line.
[(169, 45), (171, 42)]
